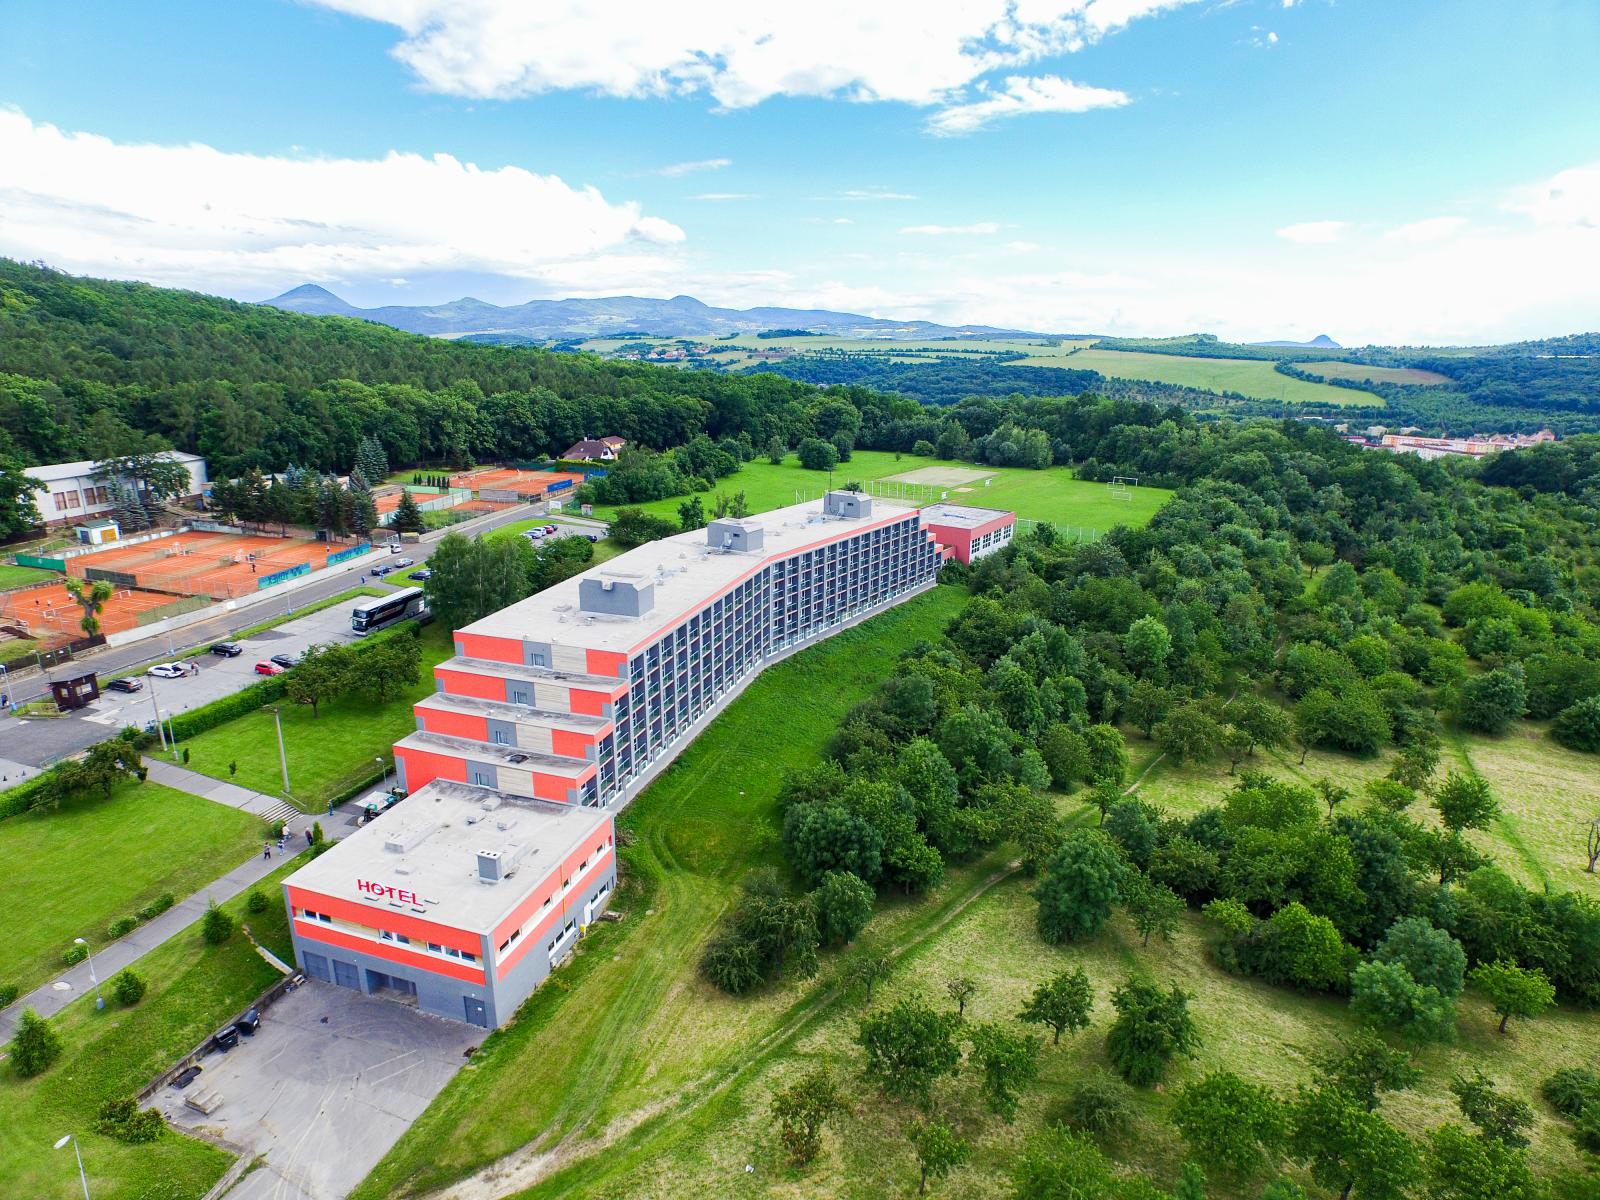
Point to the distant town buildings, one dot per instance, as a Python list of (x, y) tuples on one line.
[(72, 491)]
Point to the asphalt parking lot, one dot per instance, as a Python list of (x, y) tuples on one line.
[(328, 1084)]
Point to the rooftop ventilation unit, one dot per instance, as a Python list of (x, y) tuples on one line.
[(734, 535), (847, 504), (409, 837)]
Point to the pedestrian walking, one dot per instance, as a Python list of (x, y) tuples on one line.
[(266, 849), (280, 845), (308, 835)]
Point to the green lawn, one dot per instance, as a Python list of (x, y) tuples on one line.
[(91, 862), (194, 988), (328, 754), (629, 1025), (1247, 376), (11, 576), (1050, 495)]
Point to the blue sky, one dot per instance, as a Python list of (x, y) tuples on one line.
[(1400, 171)]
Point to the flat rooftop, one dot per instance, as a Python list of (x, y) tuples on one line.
[(428, 844), (684, 571), (508, 670), (962, 516)]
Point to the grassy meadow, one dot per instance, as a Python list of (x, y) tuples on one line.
[(193, 988), (1409, 376), (1050, 495), (328, 753), (95, 860), (1248, 377)]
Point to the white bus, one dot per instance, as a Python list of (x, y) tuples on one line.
[(380, 612)]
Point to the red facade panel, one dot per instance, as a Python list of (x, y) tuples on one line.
[(606, 662), (383, 917), (470, 683), (462, 725), (482, 645), (423, 767)]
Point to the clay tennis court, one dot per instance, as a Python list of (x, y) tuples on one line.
[(511, 480), (48, 612), (220, 565)]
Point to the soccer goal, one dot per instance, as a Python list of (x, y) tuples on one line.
[(1121, 487)]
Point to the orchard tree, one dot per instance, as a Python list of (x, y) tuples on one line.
[(1464, 801), (1514, 991), (1488, 703), (1154, 907), (1498, 1117), (909, 1047), (323, 673), (1079, 887), (1349, 1150), (1460, 1166), (843, 905), (1062, 1003), (1231, 1125), (1386, 993), (1007, 1063), (867, 969), (960, 989), (939, 1151), (1363, 1066), (801, 1110), (1152, 1028)]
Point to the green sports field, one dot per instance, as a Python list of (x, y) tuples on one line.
[(1249, 377), (1051, 495)]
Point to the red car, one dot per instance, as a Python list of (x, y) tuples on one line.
[(268, 668)]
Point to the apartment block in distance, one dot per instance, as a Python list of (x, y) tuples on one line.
[(968, 532), (579, 694)]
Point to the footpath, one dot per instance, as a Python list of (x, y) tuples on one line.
[(52, 997)]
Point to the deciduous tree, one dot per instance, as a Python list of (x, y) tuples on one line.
[(1063, 1002)]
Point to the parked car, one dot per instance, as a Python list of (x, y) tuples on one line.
[(380, 571), (549, 528), (227, 649), (167, 671), (395, 547), (285, 660), (268, 668), (421, 575), (534, 535), (127, 684), (404, 563), (594, 537)]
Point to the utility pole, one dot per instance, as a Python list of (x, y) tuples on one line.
[(283, 759), (156, 708)]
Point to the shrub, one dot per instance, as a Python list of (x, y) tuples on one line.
[(1079, 887), (121, 927), (1578, 726), (128, 987), (157, 906), (35, 1045), (1587, 1134), (1099, 1104), (217, 926), (124, 1120), (8, 994), (256, 903), (844, 906), (1152, 1027), (1570, 1089), (74, 954)]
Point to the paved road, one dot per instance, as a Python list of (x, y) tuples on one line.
[(52, 997), (27, 745)]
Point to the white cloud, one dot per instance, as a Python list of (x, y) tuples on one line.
[(1024, 94), (1021, 247), (673, 170), (1431, 229), (874, 193), (737, 53), (979, 228), (1571, 197), (200, 216), (1313, 233), (726, 196)]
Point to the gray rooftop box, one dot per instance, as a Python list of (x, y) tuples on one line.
[(732, 534), (616, 595), (847, 504)]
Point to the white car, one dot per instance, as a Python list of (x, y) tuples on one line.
[(167, 671)]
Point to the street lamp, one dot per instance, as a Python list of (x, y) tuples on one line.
[(99, 1000), (83, 1178), (283, 759), (155, 707), (384, 768)]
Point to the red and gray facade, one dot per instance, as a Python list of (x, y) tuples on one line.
[(969, 533)]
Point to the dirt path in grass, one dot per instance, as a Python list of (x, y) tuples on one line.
[(526, 1167)]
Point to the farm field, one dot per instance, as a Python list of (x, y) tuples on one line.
[(746, 347), (1248, 377), (628, 1024), (193, 988), (93, 861), (328, 754), (1052, 495), (675, 1079), (1348, 370)]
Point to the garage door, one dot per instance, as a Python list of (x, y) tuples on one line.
[(316, 966), (344, 974)]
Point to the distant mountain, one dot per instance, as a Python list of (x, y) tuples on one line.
[(681, 316), (1321, 342)]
